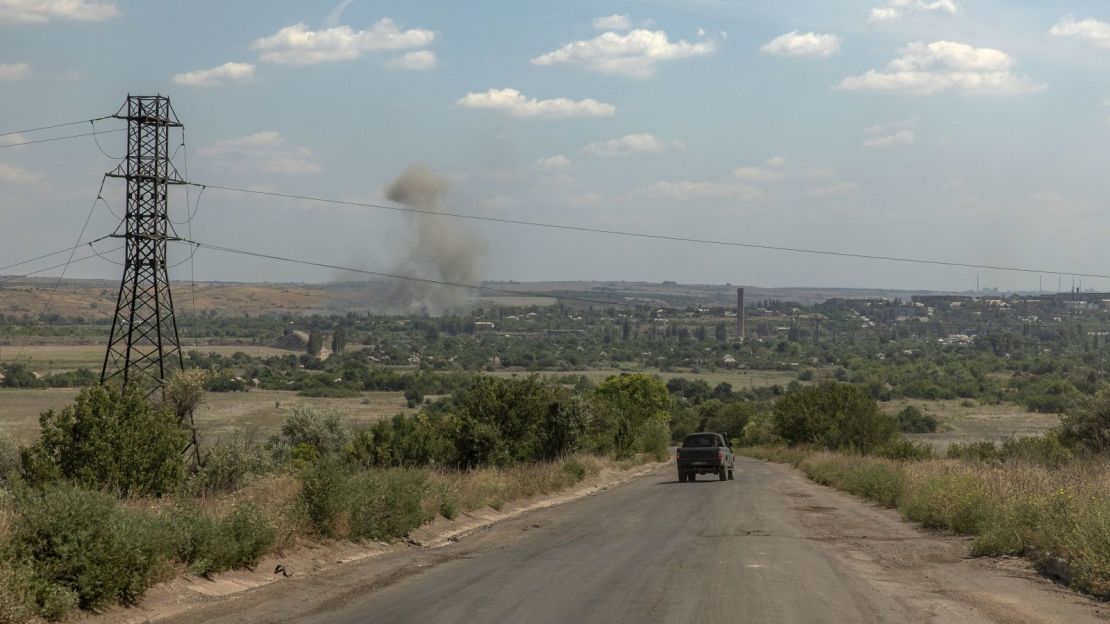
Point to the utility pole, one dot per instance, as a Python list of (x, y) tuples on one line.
[(144, 345)]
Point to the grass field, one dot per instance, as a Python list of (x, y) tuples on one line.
[(960, 423), (258, 413), (55, 358)]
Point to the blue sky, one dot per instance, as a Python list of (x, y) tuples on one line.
[(952, 129)]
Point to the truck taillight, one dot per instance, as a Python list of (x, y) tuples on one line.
[(721, 455)]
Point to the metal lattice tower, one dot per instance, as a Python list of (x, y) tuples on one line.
[(144, 345)]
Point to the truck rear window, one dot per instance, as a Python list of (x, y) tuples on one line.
[(696, 441)]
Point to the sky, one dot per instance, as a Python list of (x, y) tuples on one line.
[(973, 131)]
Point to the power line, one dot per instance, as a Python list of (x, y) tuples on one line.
[(9, 278), (61, 138), (53, 253), (665, 237), (59, 125), (423, 280)]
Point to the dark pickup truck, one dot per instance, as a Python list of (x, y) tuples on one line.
[(704, 453)]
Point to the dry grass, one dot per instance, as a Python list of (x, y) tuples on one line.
[(1012, 508), (45, 355), (961, 423)]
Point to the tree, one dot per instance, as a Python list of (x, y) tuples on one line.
[(339, 340), (640, 404), (315, 343), (835, 416), (184, 393), (720, 332)]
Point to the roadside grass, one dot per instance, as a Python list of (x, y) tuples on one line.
[(63, 547), (1046, 514)]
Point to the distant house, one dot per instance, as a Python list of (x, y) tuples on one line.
[(483, 325)]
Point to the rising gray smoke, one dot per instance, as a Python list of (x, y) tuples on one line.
[(439, 249)]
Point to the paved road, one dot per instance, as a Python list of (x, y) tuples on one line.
[(768, 547)]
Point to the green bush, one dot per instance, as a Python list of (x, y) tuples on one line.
[(9, 458), (17, 595), (913, 420), (306, 425), (323, 496), (227, 465), (209, 545), (384, 505), (881, 481), (83, 549), (1087, 427), (110, 441), (901, 449)]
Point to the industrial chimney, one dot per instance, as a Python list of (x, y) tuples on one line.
[(741, 326)]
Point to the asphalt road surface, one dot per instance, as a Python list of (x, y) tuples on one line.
[(769, 547)]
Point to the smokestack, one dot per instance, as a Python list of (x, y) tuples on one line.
[(741, 327)]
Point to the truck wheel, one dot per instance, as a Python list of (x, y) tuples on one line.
[(723, 474), (681, 477), (693, 476), (731, 476)]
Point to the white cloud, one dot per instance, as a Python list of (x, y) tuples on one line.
[(263, 151), (516, 104), (820, 172), (419, 60), (627, 144), (803, 44), (18, 175), (41, 11), (14, 71), (895, 9), (945, 66), (901, 137), (228, 72), (776, 161), (297, 45), (612, 22), (832, 190), (589, 199), (633, 54), (687, 190), (757, 174), (555, 163), (1090, 30)]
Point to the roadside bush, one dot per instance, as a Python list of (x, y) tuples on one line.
[(881, 481), (9, 458), (384, 505), (227, 465), (953, 500), (110, 441), (901, 449), (913, 420), (1087, 426), (835, 416), (760, 430), (323, 497), (631, 400), (209, 545), (83, 549), (17, 598)]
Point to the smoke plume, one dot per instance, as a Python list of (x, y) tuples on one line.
[(439, 248)]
